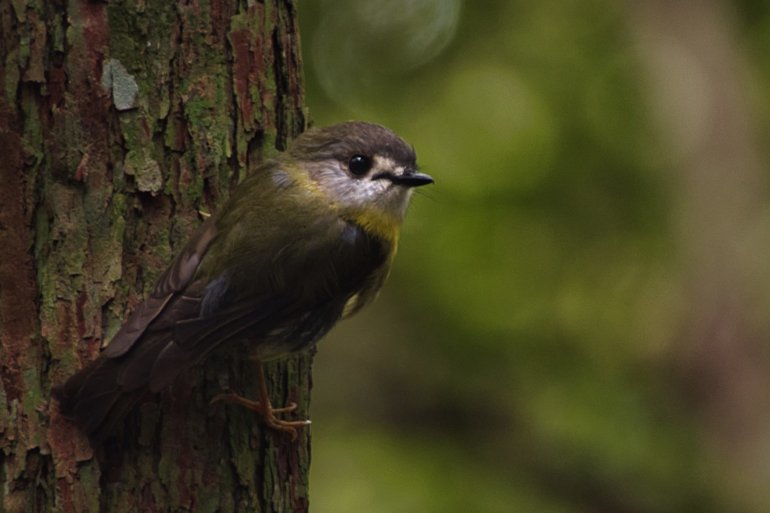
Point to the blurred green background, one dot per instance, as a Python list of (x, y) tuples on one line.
[(577, 318)]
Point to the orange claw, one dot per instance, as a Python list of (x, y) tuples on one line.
[(264, 408)]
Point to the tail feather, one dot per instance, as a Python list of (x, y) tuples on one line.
[(99, 396), (89, 398)]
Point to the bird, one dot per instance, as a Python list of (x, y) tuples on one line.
[(304, 241)]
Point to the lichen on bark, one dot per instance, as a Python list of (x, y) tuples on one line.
[(100, 188)]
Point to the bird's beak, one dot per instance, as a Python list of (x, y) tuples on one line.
[(409, 179)]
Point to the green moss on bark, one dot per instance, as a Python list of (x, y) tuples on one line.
[(107, 190)]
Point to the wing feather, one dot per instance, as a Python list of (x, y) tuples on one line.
[(175, 279), (194, 338)]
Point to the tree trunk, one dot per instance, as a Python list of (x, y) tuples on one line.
[(121, 124)]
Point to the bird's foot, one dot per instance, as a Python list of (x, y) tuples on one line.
[(266, 413)]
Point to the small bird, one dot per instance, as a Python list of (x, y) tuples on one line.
[(304, 241)]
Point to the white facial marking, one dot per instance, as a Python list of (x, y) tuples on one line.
[(363, 193)]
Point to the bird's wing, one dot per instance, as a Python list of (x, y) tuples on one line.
[(277, 320), (270, 325), (176, 278), (163, 353)]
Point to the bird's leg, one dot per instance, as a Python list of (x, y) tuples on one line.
[(264, 408)]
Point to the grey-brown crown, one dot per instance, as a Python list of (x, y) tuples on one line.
[(343, 140)]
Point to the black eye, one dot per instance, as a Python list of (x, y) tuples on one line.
[(359, 164)]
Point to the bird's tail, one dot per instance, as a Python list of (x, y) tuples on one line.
[(99, 396), (94, 400)]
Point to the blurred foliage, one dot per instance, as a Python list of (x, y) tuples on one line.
[(522, 356)]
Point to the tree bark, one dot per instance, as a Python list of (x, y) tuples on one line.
[(121, 124)]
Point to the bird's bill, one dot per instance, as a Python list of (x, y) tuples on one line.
[(407, 179)]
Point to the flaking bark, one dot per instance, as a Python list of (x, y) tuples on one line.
[(120, 124)]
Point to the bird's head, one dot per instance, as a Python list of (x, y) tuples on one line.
[(365, 170)]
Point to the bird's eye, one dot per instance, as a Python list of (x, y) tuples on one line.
[(359, 165)]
